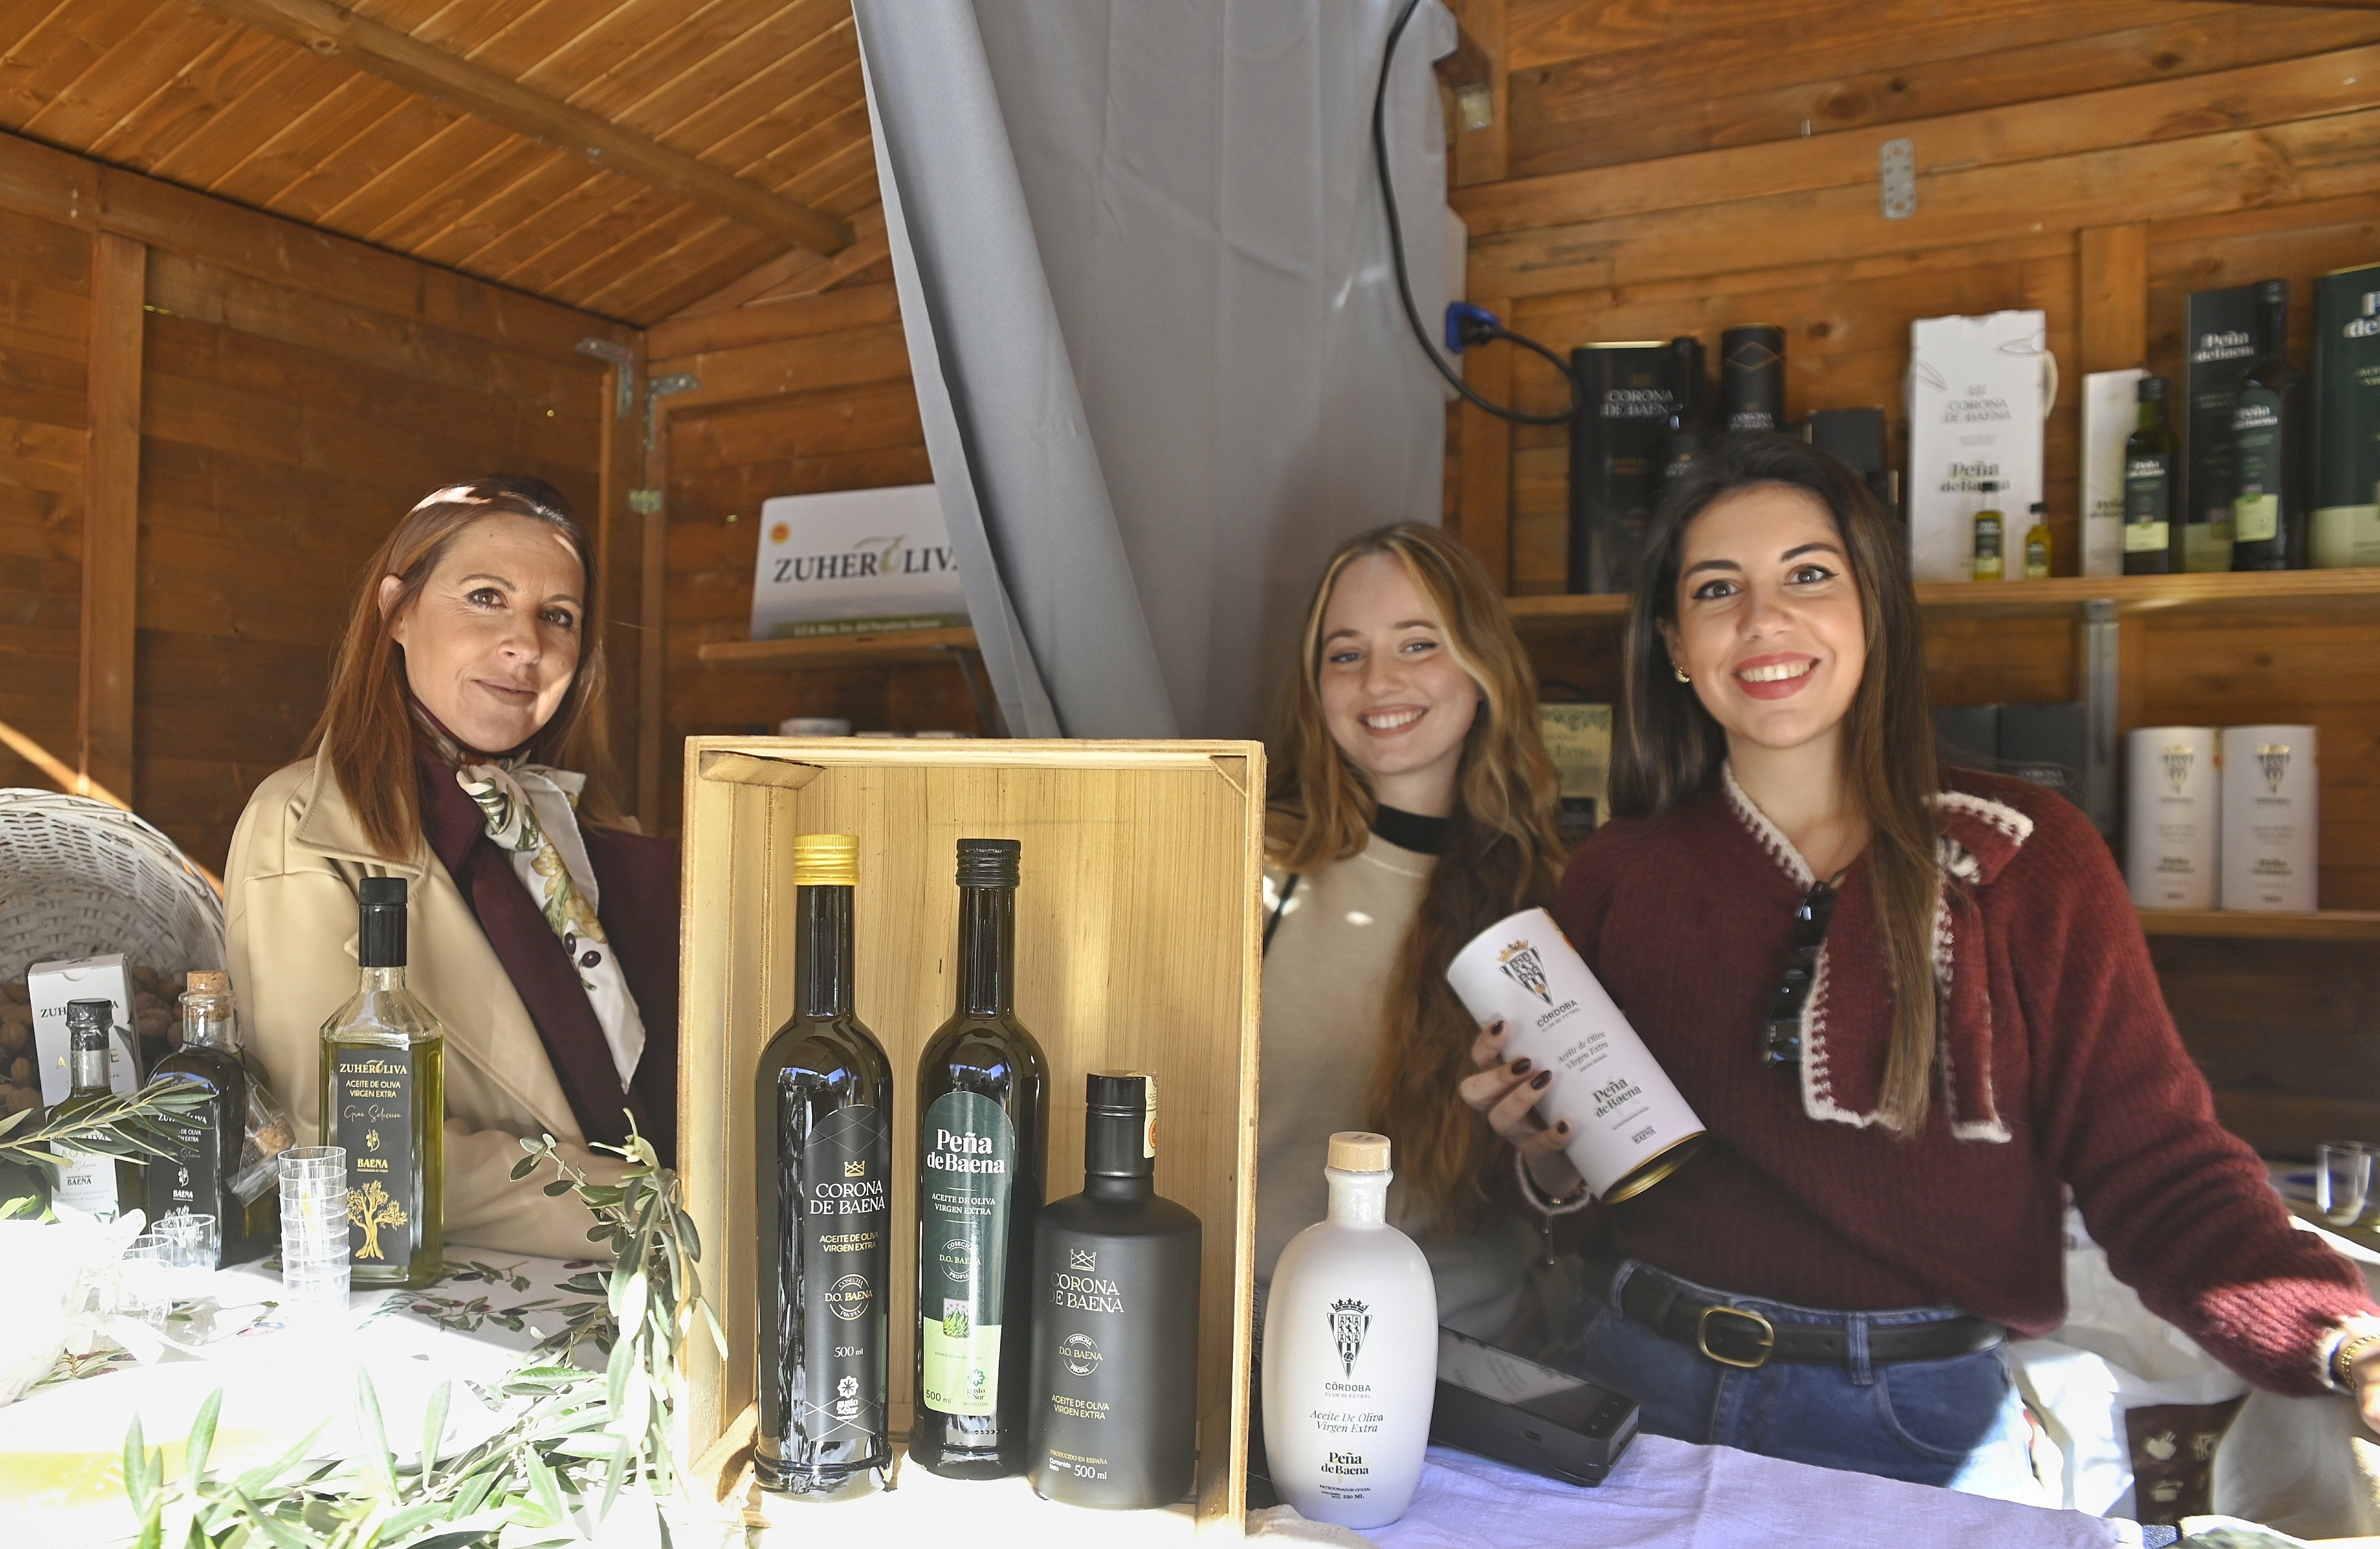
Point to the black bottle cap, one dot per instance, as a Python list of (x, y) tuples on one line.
[(2153, 389), (86, 1023), (379, 922), (2271, 291), (1120, 1137), (2040, 507), (989, 862)]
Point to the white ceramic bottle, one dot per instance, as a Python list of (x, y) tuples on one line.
[(1349, 1352)]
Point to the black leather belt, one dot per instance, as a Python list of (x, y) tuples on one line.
[(1742, 1337)]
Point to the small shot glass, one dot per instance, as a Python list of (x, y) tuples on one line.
[(197, 1242), (144, 1280), (2342, 1181)]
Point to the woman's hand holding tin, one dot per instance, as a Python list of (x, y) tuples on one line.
[(1508, 1093)]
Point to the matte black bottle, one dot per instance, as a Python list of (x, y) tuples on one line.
[(1115, 1319), (1752, 378), (2151, 535), (2268, 427), (822, 1139), (983, 1125)]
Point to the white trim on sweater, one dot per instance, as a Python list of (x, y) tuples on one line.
[(1772, 838), (1956, 861)]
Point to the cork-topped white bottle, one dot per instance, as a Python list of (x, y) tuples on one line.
[(1349, 1352)]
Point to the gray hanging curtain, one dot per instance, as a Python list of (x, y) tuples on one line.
[(1156, 344)]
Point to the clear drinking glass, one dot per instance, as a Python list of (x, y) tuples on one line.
[(144, 1280), (196, 1243), (2342, 1181)]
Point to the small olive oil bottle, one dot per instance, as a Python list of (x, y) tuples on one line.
[(1991, 528), (2037, 543), (385, 1100)]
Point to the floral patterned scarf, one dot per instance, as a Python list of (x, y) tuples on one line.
[(532, 814)]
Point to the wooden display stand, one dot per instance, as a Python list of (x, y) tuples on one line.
[(1138, 943)]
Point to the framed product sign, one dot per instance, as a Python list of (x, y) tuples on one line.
[(855, 562)]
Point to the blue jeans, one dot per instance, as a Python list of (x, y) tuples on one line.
[(1956, 1422)]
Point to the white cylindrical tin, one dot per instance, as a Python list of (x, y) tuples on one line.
[(2271, 818), (1631, 1128), (2172, 816)]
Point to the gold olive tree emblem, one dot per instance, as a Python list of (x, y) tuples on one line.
[(370, 1208)]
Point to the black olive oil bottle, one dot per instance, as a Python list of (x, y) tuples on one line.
[(822, 1137), (1115, 1319), (2268, 426), (983, 1107)]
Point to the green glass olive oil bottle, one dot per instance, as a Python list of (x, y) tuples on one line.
[(384, 1099)]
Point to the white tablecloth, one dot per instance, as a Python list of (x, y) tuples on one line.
[(492, 1308), (1671, 1494)]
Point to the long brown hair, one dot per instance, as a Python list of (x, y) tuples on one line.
[(1669, 749), (367, 729), (1503, 850)]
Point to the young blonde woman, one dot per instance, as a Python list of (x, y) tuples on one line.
[(1915, 1009), (1412, 806)]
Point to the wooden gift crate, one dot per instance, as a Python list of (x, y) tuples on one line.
[(1137, 947)]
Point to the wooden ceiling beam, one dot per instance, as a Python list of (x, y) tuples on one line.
[(334, 32)]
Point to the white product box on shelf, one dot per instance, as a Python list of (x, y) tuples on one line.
[(1978, 390)]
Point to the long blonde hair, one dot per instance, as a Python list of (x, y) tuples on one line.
[(1503, 850)]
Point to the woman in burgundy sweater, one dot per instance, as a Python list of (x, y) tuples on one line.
[(1879, 1203)]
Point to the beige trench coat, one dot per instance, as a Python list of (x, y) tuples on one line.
[(289, 892)]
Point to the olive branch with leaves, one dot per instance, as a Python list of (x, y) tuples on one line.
[(131, 1126), (573, 1438)]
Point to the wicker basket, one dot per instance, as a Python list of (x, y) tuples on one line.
[(80, 877)]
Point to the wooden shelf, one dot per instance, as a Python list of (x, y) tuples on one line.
[(2349, 592), (895, 648), (2330, 924)]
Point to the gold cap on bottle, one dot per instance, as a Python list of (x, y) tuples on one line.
[(208, 982), (1355, 1151), (826, 861)]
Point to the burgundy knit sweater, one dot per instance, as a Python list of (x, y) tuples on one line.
[(2060, 1068)]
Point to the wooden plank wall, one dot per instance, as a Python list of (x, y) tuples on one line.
[(800, 395), (1671, 166), (287, 395)]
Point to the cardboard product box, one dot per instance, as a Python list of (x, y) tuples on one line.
[(2346, 528), (855, 562), (1579, 737), (1978, 388), (2111, 407), (2223, 336), (1615, 458), (53, 984), (1138, 946)]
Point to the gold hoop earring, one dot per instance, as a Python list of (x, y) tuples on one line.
[(1681, 671)]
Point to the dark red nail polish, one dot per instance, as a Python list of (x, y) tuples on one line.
[(1543, 1077), (1520, 1068)]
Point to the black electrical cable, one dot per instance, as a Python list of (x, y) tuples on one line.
[(1404, 285)]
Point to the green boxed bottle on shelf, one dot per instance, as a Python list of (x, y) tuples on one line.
[(2347, 419)]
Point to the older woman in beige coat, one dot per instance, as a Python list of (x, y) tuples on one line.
[(468, 692)]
